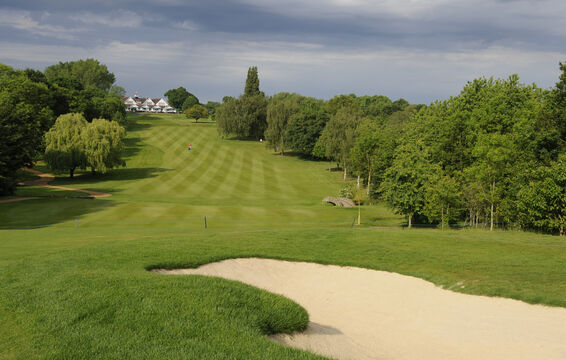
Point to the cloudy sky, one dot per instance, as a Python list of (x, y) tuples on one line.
[(421, 50)]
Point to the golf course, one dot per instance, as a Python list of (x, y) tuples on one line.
[(75, 273)]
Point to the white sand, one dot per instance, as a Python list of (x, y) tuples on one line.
[(365, 314)]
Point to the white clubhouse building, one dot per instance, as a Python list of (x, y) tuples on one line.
[(137, 104)]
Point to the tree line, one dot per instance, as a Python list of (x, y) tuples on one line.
[(32, 100), (190, 105), (491, 156)]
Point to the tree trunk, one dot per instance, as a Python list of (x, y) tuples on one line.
[(358, 182), (492, 196), (442, 217), (92, 171), (71, 172), (369, 181), (491, 225), (359, 213), (345, 173), (410, 220)]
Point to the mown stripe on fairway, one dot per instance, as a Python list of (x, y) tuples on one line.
[(199, 177), (187, 180), (216, 181), (242, 185), (271, 187)]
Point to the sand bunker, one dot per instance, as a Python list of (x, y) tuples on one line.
[(365, 314)]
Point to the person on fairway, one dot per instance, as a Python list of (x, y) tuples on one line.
[(190, 146)]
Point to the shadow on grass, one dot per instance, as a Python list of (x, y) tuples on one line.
[(132, 146), (121, 174), (38, 213)]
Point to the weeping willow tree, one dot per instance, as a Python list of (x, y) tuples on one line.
[(103, 145), (73, 143)]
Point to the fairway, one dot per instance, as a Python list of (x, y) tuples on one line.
[(73, 272), (232, 183)]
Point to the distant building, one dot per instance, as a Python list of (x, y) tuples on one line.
[(139, 104)]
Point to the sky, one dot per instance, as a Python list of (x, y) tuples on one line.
[(420, 50)]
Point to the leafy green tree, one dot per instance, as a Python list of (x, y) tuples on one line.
[(177, 96), (189, 102), (225, 99), (541, 204), (211, 107), (493, 155), (252, 83), (399, 105), (305, 127), (231, 119), (342, 101), (254, 110), (279, 110), (442, 195), (365, 150), (64, 149), (87, 72), (196, 112), (25, 115), (110, 106), (339, 134), (103, 145), (404, 186), (246, 116), (554, 116), (118, 90), (375, 107)]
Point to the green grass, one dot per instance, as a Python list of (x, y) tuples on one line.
[(81, 290)]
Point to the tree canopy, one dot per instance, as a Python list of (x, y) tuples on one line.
[(252, 83), (244, 117), (87, 72), (196, 112), (73, 143), (26, 112)]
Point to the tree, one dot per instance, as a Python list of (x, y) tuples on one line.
[(87, 72), (196, 112), (211, 107), (339, 135), (189, 102), (342, 101), (252, 83), (542, 203), (177, 96), (364, 151), (359, 197), (279, 110), (102, 142), (118, 90), (375, 107), (64, 149), (229, 118), (404, 186), (25, 115), (305, 127), (254, 111), (442, 194)]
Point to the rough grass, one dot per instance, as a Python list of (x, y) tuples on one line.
[(81, 290)]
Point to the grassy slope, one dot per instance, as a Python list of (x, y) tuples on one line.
[(83, 292)]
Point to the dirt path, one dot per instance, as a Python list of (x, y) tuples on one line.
[(365, 314), (44, 179)]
